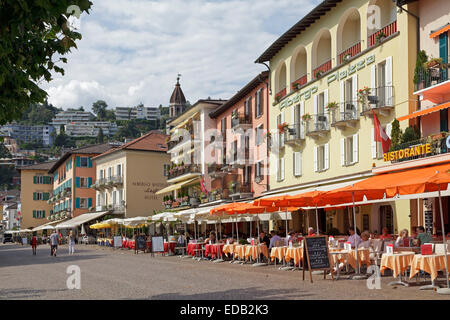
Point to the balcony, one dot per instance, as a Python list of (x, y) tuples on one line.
[(318, 126), (113, 181), (183, 172), (238, 162), (299, 82), (380, 100), (347, 116), (320, 70), (295, 135), (280, 95), (238, 191), (99, 184), (381, 34), (180, 142), (241, 122), (433, 83), (216, 171), (218, 142), (348, 53)]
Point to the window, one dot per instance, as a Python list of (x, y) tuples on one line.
[(258, 169), (38, 214), (84, 162), (84, 203), (349, 150), (280, 120), (119, 170), (259, 134), (110, 172), (321, 103), (102, 174), (247, 174), (280, 169), (39, 180), (297, 164), (258, 104), (248, 108), (84, 182), (114, 196), (377, 150), (166, 170), (321, 158)]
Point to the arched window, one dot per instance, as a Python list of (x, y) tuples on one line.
[(349, 35), (321, 53), (381, 21), (280, 81), (299, 68)]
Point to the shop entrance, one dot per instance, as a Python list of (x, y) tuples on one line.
[(386, 219), (437, 217)]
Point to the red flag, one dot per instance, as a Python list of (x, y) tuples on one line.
[(202, 186), (380, 135)]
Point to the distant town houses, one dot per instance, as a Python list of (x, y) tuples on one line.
[(138, 112)]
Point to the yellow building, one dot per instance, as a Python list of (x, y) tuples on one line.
[(36, 189), (318, 68), (129, 176)]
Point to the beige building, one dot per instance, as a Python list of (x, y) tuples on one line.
[(129, 176), (37, 187)]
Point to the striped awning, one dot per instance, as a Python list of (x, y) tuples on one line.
[(176, 186), (441, 30), (425, 111)]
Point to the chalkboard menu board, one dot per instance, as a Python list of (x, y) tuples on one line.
[(141, 244), (429, 221), (316, 250), (157, 244)]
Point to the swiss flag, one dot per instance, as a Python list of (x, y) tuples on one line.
[(380, 135), (202, 186)]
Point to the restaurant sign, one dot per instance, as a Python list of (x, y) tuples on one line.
[(412, 151)]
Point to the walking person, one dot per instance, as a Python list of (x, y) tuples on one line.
[(54, 243), (71, 240), (34, 244)]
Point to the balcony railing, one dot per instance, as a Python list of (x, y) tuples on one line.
[(295, 134), (280, 94), (114, 181), (240, 188), (387, 30), (299, 82), (324, 67), (347, 112), (182, 170), (318, 123), (350, 52), (431, 77), (378, 99), (241, 120)]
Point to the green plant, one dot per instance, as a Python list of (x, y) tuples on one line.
[(422, 58), (306, 117), (318, 74), (396, 134), (434, 62), (410, 134), (380, 36), (332, 105), (295, 86), (243, 241)]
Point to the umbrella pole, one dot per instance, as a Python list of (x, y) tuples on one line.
[(317, 221), (358, 275), (445, 291), (259, 263)]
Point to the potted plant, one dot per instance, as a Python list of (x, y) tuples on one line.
[(346, 57), (282, 127), (231, 186), (295, 86), (363, 94), (318, 74), (420, 70), (277, 99), (91, 208), (380, 37), (332, 106), (434, 63), (234, 114), (306, 117)]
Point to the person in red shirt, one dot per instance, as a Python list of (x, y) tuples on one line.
[(34, 244), (385, 234), (311, 232)]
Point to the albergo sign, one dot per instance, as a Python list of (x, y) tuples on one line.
[(407, 153)]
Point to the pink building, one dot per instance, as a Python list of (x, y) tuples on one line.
[(240, 167)]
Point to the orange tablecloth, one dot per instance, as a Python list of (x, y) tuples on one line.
[(397, 262), (363, 257), (431, 264), (295, 253), (252, 251), (341, 257), (228, 249), (239, 251), (278, 252)]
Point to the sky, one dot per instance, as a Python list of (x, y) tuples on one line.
[(132, 50)]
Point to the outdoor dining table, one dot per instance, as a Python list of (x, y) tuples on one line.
[(169, 245), (228, 249), (295, 253), (130, 244), (211, 249), (239, 251), (363, 257), (191, 247), (398, 263), (278, 252), (337, 256), (430, 264), (254, 251)]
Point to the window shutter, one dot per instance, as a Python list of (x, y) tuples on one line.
[(77, 203), (78, 161), (342, 97), (302, 112), (34, 196), (389, 130), (355, 148), (325, 98), (43, 214), (34, 213), (374, 145), (315, 104), (297, 163), (35, 180), (316, 150), (89, 163), (89, 202), (327, 156), (342, 151), (282, 135), (78, 182), (89, 182), (46, 196), (355, 89), (373, 81), (282, 168), (388, 89)]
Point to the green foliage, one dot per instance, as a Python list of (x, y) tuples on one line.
[(99, 108), (100, 137), (34, 37), (420, 69), (134, 128), (38, 114), (63, 140), (410, 134), (6, 174), (396, 133), (31, 145), (4, 152)]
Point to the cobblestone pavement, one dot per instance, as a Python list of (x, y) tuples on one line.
[(120, 274)]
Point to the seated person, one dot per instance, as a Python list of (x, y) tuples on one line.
[(385, 235), (365, 242), (212, 238), (290, 238), (263, 238), (311, 232), (354, 238), (403, 239), (422, 236), (274, 239)]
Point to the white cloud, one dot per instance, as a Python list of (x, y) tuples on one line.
[(132, 50)]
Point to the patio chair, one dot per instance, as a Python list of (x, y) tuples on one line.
[(376, 250)]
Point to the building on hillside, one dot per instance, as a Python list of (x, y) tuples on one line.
[(68, 117), (187, 173), (30, 134), (36, 190), (10, 217), (177, 104), (138, 112), (129, 176), (73, 175), (91, 129), (329, 72), (238, 166), (432, 94)]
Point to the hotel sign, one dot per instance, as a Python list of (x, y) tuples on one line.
[(407, 152)]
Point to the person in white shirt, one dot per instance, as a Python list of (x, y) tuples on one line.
[(354, 238), (290, 237), (274, 239), (365, 242)]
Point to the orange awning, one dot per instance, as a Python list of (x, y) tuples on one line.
[(299, 200), (425, 111), (445, 28)]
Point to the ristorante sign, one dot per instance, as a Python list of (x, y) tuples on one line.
[(407, 152)]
